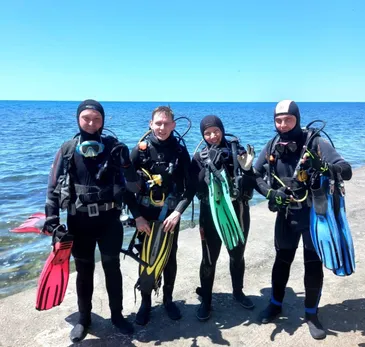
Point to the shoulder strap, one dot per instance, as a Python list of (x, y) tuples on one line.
[(68, 150), (310, 142), (110, 142), (270, 150), (271, 144), (144, 153)]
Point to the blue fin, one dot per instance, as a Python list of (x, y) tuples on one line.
[(347, 246), (323, 226)]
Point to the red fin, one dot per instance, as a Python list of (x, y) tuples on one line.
[(33, 224)]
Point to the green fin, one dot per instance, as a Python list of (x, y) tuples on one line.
[(223, 213)]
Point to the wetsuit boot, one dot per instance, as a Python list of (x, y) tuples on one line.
[(203, 312), (79, 331), (270, 313), (315, 327), (143, 314), (243, 300), (171, 308), (121, 323)]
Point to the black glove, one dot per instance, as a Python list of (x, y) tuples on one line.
[(61, 234), (212, 155), (120, 155), (278, 197), (51, 223), (313, 160)]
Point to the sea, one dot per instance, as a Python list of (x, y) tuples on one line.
[(32, 131)]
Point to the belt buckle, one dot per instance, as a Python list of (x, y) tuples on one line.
[(93, 210)]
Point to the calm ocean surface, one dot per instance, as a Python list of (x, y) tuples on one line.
[(32, 132)]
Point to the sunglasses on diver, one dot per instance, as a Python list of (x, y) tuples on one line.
[(89, 149), (282, 147)]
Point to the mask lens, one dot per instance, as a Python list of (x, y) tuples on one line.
[(87, 148), (282, 147), (90, 148), (292, 146)]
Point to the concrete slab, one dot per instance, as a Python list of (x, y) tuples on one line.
[(342, 308)]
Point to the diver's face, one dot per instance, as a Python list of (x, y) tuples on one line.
[(90, 121), (162, 125), (213, 136), (285, 123)]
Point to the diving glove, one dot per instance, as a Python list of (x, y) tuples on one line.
[(120, 155), (313, 160), (246, 159), (51, 224), (278, 197), (59, 233), (212, 155)]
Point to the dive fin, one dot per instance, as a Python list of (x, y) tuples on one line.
[(34, 224), (347, 245), (156, 251), (52, 283), (223, 213), (323, 226)]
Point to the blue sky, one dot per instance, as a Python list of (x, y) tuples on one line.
[(147, 50)]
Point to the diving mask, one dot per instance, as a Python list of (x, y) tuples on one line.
[(89, 149), (282, 147)]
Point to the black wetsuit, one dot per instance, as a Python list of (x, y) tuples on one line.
[(104, 229), (172, 161), (211, 242), (292, 224)]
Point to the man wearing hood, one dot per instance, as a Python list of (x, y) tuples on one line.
[(288, 159), (162, 155), (90, 178)]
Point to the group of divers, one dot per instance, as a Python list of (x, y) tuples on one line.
[(94, 177)]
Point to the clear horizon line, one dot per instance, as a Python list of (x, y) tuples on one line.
[(159, 101)]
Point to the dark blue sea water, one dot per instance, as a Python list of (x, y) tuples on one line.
[(32, 131)]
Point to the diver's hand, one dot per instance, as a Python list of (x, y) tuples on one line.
[(121, 155), (51, 223), (246, 159), (313, 160), (125, 160), (212, 155), (59, 234), (171, 221), (142, 225), (278, 197)]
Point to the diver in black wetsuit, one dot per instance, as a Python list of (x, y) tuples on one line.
[(90, 177), (162, 154), (282, 157), (213, 133)]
